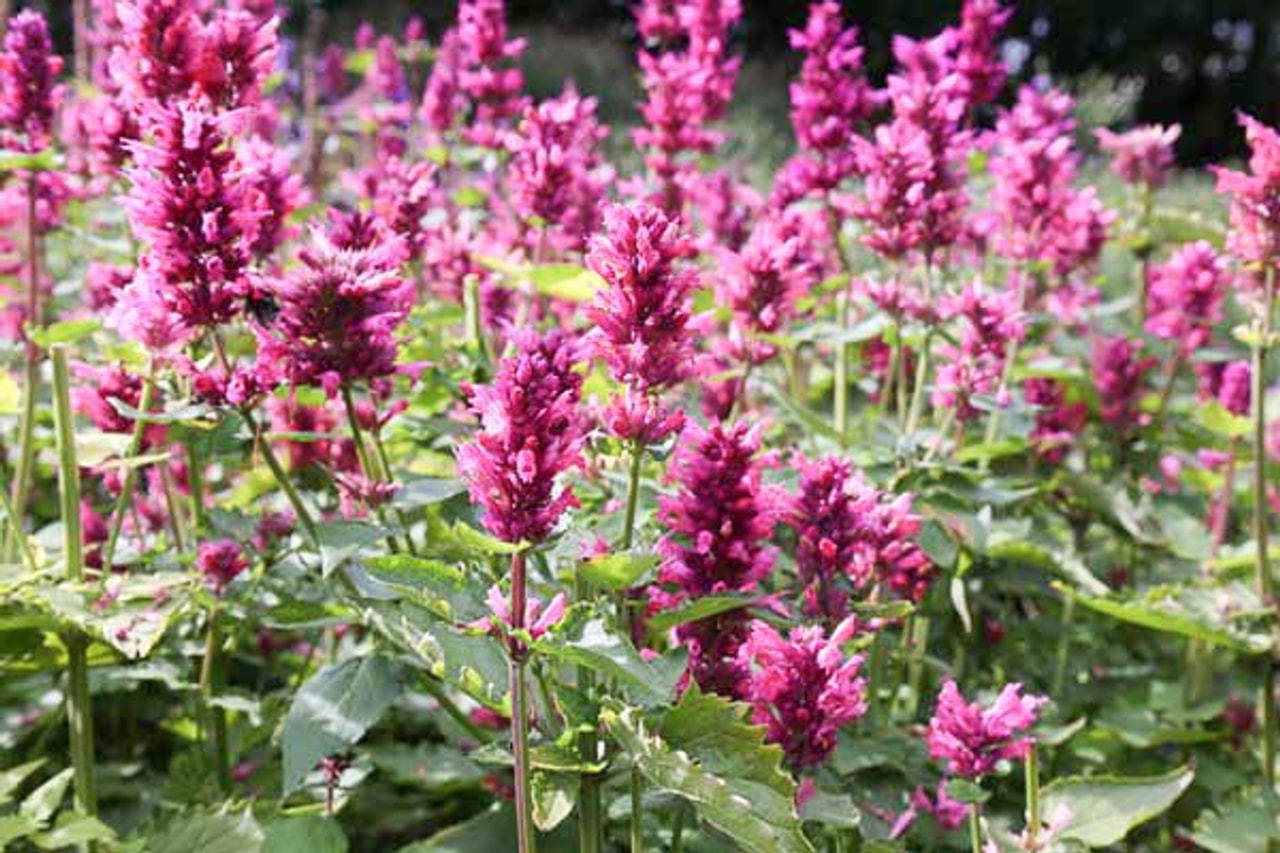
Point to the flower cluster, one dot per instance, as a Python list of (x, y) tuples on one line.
[(556, 170), (1254, 236), (720, 521), (337, 315), (641, 315), (1185, 294), (1058, 421), (1143, 155), (993, 320), (530, 433), (971, 739), (830, 98), (194, 206), (28, 94), (1119, 374), (220, 562), (802, 688)]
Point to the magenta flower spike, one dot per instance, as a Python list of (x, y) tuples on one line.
[(29, 94), (160, 45), (1254, 236), (1185, 295), (338, 314), (238, 54), (531, 432), (1119, 374), (802, 688), (220, 562), (194, 207), (972, 740), (977, 49), (1143, 155), (832, 97), (642, 313)]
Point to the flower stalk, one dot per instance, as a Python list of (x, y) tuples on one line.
[(1261, 344), (518, 655), (79, 712)]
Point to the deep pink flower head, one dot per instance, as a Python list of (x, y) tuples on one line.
[(143, 313), (977, 52), (948, 813), (803, 689), (556, 170), (1184, 295), (720, 521), (828, 516), (386, 74), (488, 73), (658, 20), (404, 192), (531, 432), (971, 739), (832, 96), (1058, 422), (338, 312), (1143, 155), (238, 54), (28, 93), (443, 100), (1254, 236), (280, 191), (779, 264), (194, 207), (642, 312), (1040, 215), (220, 562), (1119, 375), (161, 44), (1235, 393), (93, 397)]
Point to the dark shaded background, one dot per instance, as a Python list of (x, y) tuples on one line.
[(1195, 61)]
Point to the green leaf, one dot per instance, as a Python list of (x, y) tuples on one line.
[(1243, 826), (307, 834), (133, 622), (554, 796), (614, 572), (432, 767), (751, 811), (208, 833), (66, 332), (12, 779), (15, 826), (340, 540), (445, 591), (333, 710), (1104, 809), (701, 608), (1216, 615), (566, 281), (28, 161), (76, 830), (596, 646), (964, 791), (41, 803)]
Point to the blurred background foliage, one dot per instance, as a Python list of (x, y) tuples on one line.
[(1189, 61)]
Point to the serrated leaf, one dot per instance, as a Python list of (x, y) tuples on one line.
[(208, 833), (12, 779), (440, 588), (596, 646), (756, 816), (964, 791), (340, 540), (76, 830), (701, 608), (333, 710), (1243, 826), (307, 834), (1103, 810), (41, 803), (15, 826)]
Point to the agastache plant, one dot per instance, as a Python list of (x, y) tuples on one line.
[(399, 452)]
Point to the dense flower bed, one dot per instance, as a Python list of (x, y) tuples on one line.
[(389, 470)]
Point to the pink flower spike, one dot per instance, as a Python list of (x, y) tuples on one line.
[(973, 740)]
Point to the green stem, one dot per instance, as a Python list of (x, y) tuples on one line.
[(590, 822), (1032, 768), (125, 500), (677, 830), (281, 477), (637, 817), (13, 527), (628, 537), (368, 465), (210, 671), (1260, 532), (437, 692), (520, 709), (922, 365), (195, 479), (841, 400), (79, 712), (975, 827), (915, 667), (633, 495), (31, 374), (875, 674)]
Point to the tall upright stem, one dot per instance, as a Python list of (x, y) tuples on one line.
[(1033, 798), (125, 500), (1262, 566), (31, 377), (975, 827), (628, 536), (280, 475), (210, 673), (79, 713), (519, 708)]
